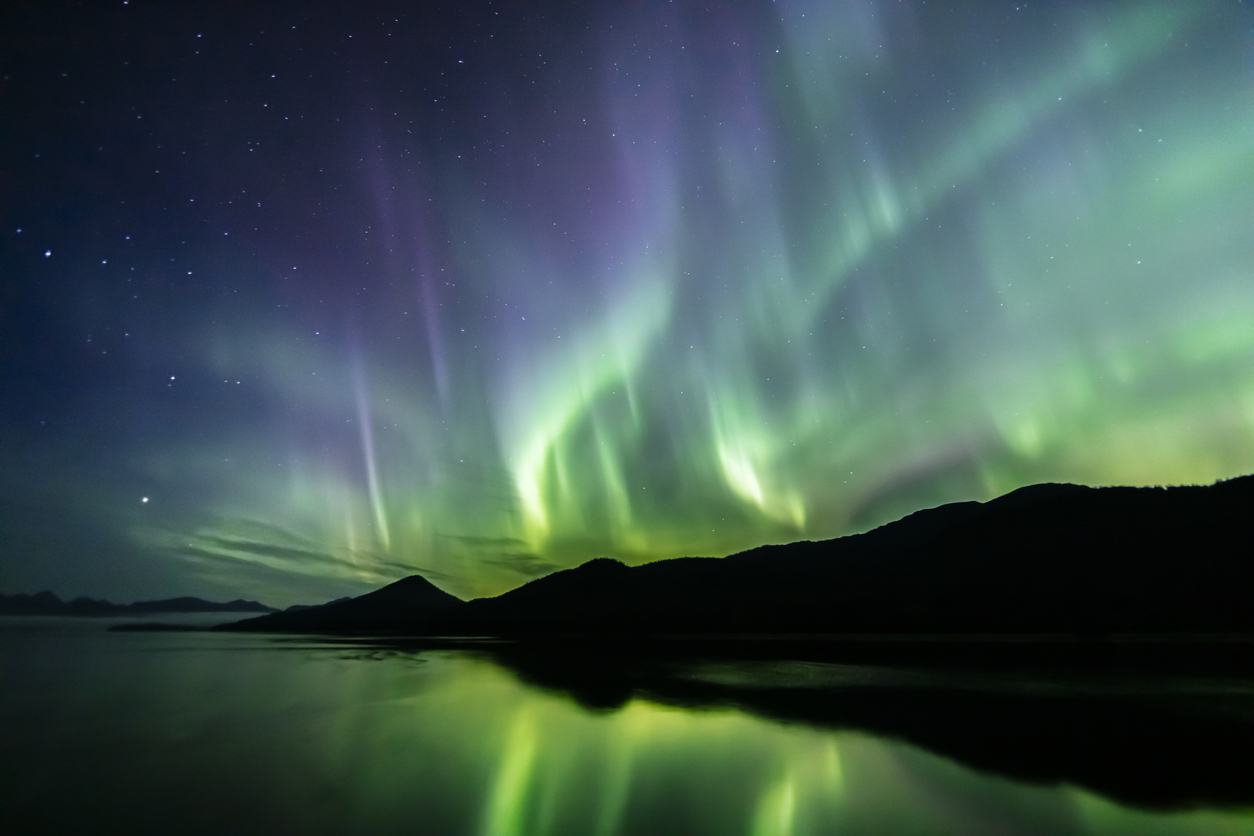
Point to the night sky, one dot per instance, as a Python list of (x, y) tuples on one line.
[(301, 299)]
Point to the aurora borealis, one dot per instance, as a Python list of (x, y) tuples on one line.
[(297, 301)]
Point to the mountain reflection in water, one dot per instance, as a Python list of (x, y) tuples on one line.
[(214, 733)]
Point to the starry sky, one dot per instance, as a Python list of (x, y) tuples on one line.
[(298, 299)]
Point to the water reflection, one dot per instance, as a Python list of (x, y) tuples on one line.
[(211, 733), (1158, 724)]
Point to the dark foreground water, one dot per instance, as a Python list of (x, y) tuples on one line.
[(223, 733)]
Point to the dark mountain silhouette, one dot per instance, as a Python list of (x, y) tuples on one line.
[(393, 609), (45, 603), (299, 607), (1043, 559)]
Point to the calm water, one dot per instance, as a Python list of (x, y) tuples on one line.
[(207, 733)]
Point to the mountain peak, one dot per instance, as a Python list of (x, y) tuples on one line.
[(411, 589), (601, 564)]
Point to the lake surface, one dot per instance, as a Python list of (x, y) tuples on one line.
[(143, 733)]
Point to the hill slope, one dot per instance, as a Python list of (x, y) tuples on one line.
[(1045, 558)]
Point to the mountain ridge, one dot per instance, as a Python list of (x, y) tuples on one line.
[(47, 603), (1048, 558)]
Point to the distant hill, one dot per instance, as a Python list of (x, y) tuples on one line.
[(1043, 559), (394, 609), (45, 603)]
